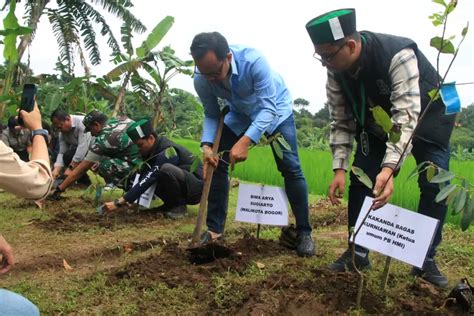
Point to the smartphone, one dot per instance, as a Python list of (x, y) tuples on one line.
[(27, 100)]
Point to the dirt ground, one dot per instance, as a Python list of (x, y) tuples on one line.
[(145, 259)]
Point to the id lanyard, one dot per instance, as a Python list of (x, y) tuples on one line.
[(360, 117)]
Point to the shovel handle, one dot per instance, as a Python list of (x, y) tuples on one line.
[(207, 185)]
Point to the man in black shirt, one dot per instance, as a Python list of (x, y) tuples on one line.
[(168, 165)]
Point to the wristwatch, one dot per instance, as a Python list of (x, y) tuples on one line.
[(42, 132)]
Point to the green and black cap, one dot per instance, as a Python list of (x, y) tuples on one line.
[(139, 130), (332, 26), (93, 116)]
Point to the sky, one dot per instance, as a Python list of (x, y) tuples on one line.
[(277, 29)]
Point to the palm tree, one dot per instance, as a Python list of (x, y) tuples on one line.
[(72, 21)]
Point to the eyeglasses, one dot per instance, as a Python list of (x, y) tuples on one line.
[(210, 74), (328, 58)]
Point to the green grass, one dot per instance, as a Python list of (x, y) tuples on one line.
[(317, 167), (88, 290)]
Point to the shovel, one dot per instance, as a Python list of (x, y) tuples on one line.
[(207, 184)]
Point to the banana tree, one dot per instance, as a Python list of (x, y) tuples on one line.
[(11, 31), (161, 66)]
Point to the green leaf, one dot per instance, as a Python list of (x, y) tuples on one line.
[(443, 194), (430, 172), (464, 30), (18, 31), (363, 177), (128, 66), (440, 2), (451, 7), (468, 214), (382, 118), (10, 21), (153, 73), (394, 137), (283, 142), (155, 37), (434, 94), (92, 177), (195, 165), (459, 201), (442, 45), (53, 100), (419, 169), (443, 176), (100, 181), (170, 152), (277, 149), (452, 196)]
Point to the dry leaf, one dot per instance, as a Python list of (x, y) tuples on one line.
[(127, 248), (260, 265), (66, 265)]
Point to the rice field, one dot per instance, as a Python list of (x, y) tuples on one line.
[(261, 168)]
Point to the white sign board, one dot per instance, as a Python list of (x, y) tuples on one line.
[(147, 196), (396, 232), (262, 204)]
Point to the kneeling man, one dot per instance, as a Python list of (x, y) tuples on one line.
[(176, 185)]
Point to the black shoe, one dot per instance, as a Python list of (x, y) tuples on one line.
[(431, 273), (176, 212), (206, 238), (344, 262), (160, 209), (305, 247), (289, 237)]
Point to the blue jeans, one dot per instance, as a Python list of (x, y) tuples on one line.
[(289, 167), (12, 304), (422, 151)]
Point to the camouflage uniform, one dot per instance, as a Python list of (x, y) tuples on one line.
[(115, 151), (18, 141)]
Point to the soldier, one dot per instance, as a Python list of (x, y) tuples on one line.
[(74, 141), (18, 138), (176, 185), (112, 150)]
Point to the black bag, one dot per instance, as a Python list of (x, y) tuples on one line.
[(461, 295)]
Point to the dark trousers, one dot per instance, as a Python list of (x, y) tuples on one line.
[(68, 155), (176, 186), (289, 167), (422, 151)]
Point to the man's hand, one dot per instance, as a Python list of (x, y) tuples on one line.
[(67, 172), (109, 207), (209, 159), (32, 119), (382, 197), (56, 195), (336, 188), (56, 171), (239, 151), (7, 256)]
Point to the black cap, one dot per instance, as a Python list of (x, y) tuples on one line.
[(139, 130)]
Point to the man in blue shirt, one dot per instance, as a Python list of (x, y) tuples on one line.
[(259, 103)]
